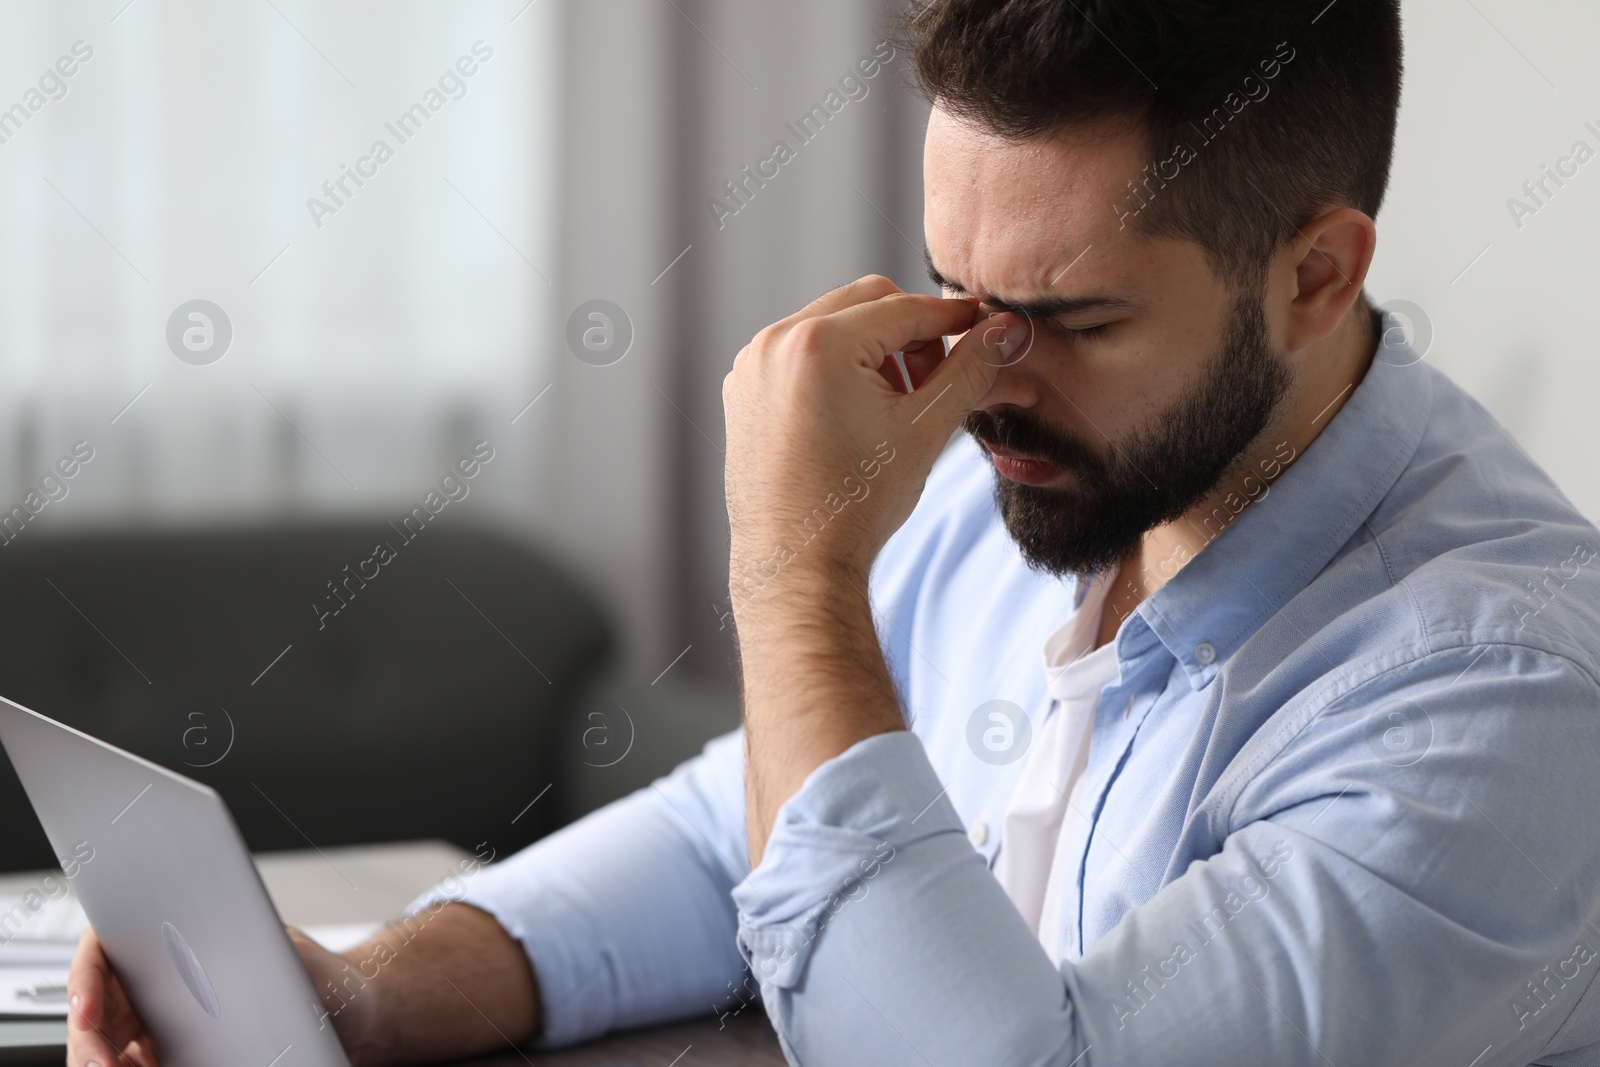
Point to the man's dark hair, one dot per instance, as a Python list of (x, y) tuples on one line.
[(1312, 128)]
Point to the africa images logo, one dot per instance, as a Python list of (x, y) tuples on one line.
[(199, 332)]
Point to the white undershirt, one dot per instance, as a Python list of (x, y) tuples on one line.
[(1036, 825)]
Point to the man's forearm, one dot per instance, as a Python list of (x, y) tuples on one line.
[(443, 984), (815, 409), (815, 683)]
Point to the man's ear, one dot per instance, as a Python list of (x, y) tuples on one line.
[(1330, 259)]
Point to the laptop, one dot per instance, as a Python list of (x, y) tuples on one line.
[(164, 877)]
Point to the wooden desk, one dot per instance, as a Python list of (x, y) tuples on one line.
[(747, 1041), (375, 882)]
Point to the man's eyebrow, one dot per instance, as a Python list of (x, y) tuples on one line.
[(1040, 307)]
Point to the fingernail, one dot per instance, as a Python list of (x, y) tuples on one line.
[(77, 1001), (1007, 340), (1016, 336)]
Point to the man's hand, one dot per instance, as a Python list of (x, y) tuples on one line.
[(827, 455), (102, 1029), (102, 1025), (444, 985)]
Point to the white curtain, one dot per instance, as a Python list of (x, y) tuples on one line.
[(379, 324)]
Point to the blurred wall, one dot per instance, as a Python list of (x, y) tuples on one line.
[(1495, 92)]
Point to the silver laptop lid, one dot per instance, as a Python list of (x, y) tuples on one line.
[(175, 899)]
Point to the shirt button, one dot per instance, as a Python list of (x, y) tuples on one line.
[(1205, 652), (977, 832)]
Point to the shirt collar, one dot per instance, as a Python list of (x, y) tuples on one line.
[(1073, 667), (1285, 536)]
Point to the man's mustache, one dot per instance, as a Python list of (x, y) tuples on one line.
[(1028, 436)]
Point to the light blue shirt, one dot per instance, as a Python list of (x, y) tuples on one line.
[(1342, 797)]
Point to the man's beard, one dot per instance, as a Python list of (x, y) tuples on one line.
[(1150, 478)]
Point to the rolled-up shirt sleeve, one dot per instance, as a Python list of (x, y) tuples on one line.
[(626, 914), (878, 933), (1361, 909)]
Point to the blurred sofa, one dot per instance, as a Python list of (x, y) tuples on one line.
[(465, 689)]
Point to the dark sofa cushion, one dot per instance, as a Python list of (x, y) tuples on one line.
[(428, 706)]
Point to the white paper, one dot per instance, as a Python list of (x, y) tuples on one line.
[(61, 919), (336, 937), (16, 981), (20, 953)]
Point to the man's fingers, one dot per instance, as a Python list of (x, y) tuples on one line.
[(987, 333), (962, 378), (111, 1040), (117, 1019), (897, 322), (98, 1011), (901, 381), (88, 1046), (921, 359), (860, 291), (996, 340), (86, 982), (140, 1054)]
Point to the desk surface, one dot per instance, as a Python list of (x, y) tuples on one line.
[(373, 882), (746, 1041)]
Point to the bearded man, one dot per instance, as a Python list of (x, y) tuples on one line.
[(1225, 694)]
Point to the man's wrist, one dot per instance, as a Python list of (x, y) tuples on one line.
[(814, 683), (370, 1035), (407, 1011), (813, 589), (820, 621)]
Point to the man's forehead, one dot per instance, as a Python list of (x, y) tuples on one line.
[(1046, 269), (1019, 219), (1066, 290)]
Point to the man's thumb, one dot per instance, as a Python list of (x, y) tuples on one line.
[(975, 360)]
